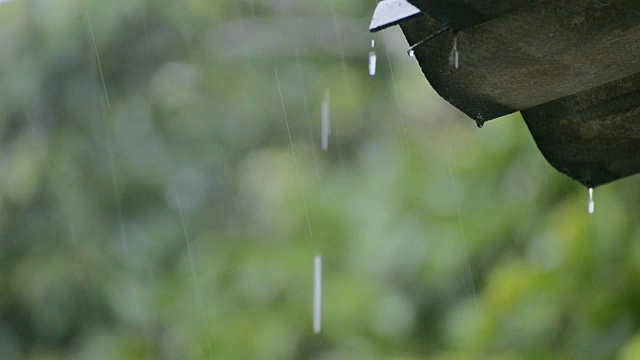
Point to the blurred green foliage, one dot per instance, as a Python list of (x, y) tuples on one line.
[(165, 218)]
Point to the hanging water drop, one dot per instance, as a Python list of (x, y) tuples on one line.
[(479, 124), (454, 57), (410, 53), (591, 203), (372, 63), (326, 121), (317, 294)]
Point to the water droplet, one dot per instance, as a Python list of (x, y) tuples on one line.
[(454, 57), (326, 121), (317, 294), (591, 203), (373, 43), (372, 63), (480, 124), (410, 53)]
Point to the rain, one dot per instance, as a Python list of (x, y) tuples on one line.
[(325, 111), (372, 59), (317, 294), (268, 180)]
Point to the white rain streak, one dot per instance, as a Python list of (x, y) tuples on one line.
[(372, 59), (395, 94), (591, 202), (343, 62), (116, 190), (194, 274), (317, 294), (325, 115), (110, 150), (307, 113), (95, 48), (454, 188), (293, 152)]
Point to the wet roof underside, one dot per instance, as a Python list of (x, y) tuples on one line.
[(571, 67)]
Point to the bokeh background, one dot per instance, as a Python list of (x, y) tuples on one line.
[(151, 206)]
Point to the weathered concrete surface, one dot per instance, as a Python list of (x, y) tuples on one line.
[(532, 55), (463, 14), (569, 66), (592, 136)]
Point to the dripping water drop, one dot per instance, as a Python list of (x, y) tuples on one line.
[(326, 121), (480, 124), (372, 63), (454, 57), (372, 59), (591, 203), (411, 53), (317, 294)]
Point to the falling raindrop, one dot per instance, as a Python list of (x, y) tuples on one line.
[(410, 53), (454, 57), (372, 63), (591, 203), (95, 48), (293, 152), (372, 59), (317, 294), (196, 283), (326, 121)]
